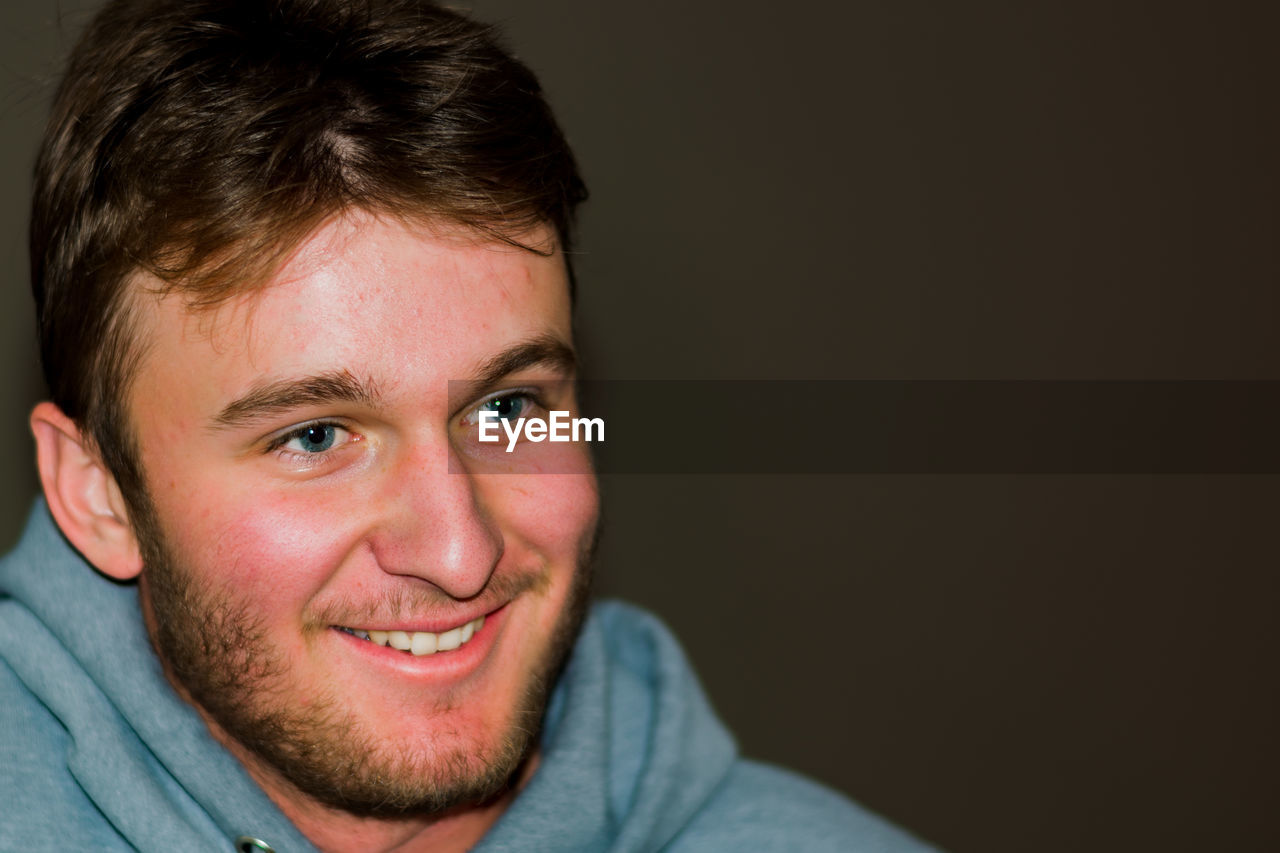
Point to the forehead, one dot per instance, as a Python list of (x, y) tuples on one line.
[(372, 296)]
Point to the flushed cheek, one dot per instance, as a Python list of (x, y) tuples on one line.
[(547, 507), (280, 551), (552, 516)]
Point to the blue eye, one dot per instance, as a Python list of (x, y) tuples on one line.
[(507, 407), (314, 438)]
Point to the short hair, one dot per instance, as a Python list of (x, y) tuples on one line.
[(200, 141)]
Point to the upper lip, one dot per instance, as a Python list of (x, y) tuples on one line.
[(437, 625)]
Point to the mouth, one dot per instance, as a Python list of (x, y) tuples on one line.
[(419, 643)]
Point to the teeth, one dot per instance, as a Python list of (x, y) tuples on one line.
[(422, 642), (450, 640)]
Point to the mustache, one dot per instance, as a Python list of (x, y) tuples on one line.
[(422, 600)]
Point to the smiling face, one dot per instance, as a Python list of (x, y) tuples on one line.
[(317, 489)]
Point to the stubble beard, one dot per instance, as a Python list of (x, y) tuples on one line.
[(215, 651)]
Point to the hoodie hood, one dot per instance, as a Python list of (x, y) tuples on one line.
[(631, 751), (142, 756)]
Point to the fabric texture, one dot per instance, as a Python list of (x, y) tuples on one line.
[(99, 753)]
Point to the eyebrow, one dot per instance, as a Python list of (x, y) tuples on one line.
[(543, 351), (271, 398)]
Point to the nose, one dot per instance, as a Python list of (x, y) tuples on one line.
[(436, 526)]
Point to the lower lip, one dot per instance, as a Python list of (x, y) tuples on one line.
[(444, 666)]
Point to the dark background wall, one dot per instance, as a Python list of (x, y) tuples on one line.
[(899, 190)]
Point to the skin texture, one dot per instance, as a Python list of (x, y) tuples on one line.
[(265, 543)]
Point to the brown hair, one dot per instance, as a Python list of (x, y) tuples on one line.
[(200, 141)]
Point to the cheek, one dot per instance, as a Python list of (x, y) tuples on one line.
[(266, 549), (551, 514)]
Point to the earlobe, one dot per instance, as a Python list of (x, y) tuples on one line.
[(82, 494)]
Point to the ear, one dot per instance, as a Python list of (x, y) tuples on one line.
[(82, 495)]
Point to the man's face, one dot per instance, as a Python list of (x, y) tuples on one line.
[(316, 485)]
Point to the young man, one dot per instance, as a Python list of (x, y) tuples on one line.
[(287, 256)]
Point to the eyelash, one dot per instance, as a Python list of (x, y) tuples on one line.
[(529, 395), (277, 444)]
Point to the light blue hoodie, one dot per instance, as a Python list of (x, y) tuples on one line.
[(99, 753)]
